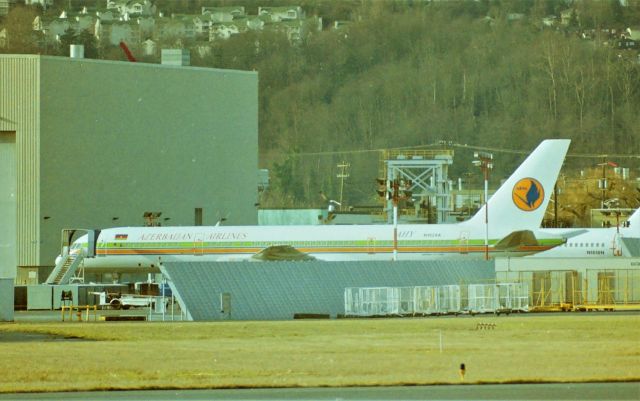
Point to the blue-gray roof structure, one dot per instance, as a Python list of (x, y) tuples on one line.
[(631, 247), (278, 290)]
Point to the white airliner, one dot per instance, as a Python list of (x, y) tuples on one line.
[(598, 242), (515, 213)]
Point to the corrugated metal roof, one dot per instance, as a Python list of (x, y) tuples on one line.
[(278, 290)]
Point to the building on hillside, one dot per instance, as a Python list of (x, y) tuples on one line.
[(43, 3), (53, 28), (5, 6), (149, 47), (176, 27), (132, 8), (224, 14), (277, 14), (632, 33), (95, 144), (3, 38)]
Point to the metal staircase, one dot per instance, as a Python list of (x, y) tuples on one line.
[(65, 269)]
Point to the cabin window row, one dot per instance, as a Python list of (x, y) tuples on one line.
[(585, 244)]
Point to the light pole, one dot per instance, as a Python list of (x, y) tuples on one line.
[(602, 183), (342, 175), (395, 185), (485, 162)]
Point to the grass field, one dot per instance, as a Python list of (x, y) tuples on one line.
[(532, 348)]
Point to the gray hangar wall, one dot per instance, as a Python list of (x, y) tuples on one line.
[(278, 290), (98, 143)]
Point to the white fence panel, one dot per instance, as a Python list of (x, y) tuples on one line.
[(427, 300), (513, 296), (482, 298)]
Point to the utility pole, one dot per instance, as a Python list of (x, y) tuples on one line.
[(342, 175), (395, 197), (603, 183), (485, 162)]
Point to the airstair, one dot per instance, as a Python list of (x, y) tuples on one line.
[(65, 269), (68, 263)]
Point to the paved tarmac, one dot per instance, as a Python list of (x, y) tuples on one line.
[(543, 391), (43, 316)]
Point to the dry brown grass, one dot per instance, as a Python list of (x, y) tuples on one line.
[(533, 348)]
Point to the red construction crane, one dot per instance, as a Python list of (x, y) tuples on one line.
[(127, 52)]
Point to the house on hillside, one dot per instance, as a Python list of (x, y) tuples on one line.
[(632, 33), (549, 20), (53, 28), (277, 14), (132, 8), (149, 47), (4, 42), (202, 25), (224, 31), (6, 5), (115, 29), (106, 16), (203, 50), (123, 31), (176, 27), (567, 15), (255, 24), (340, 24), (83, 22), (43, 3), (224, 14), (146, 25), (296, 30)]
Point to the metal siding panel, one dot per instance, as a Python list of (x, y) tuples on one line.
[(129, 131), (19, 111), (277, 290), (6, 299), (31, 88)]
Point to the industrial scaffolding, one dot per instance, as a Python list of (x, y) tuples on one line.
[(590, 289)]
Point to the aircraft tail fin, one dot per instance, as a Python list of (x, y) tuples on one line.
[(634, 219), (520, 203)]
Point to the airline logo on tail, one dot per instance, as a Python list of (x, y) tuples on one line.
[(528, 194)]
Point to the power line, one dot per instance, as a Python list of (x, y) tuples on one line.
[(465, 146)]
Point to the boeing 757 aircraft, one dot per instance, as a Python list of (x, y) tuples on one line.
[(515, 214), (598, 242)]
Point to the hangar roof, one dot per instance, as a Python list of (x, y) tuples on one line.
[(278, 290)]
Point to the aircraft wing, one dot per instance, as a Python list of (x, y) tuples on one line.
[(281, 253)]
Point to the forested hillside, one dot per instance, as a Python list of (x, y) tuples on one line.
[(405, 74), (414, 73)]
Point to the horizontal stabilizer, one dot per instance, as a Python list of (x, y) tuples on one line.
[(575, 233)]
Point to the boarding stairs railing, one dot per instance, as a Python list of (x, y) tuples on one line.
[(65, 269)]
